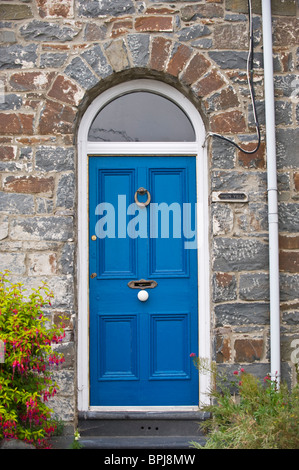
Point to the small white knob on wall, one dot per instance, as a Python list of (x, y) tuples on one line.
[(142, 295)]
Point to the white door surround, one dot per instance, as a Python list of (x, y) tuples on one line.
[(195, 148)]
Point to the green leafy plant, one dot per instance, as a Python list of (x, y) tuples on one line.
[(76, 442), (26, 382), (248, 413)]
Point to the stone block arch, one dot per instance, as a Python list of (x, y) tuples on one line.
[(196, 74)]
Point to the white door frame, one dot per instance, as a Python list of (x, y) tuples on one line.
[(196, 148)]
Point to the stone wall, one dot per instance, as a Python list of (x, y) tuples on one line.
[(55, 57)]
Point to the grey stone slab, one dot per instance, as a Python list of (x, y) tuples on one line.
[(234, 59), (8, 37), (254, 286), (287, 144), (42, 228), (94, 9), (52, 59), (13, 203), (58, 159), (288, 85), (65, 196), (67, 259), (288, 217), (223, 154), (97, 60), (139, 47), (44, 31), (289, 287), (239, 255), (80, 72), (13, 262), (18, 56), (193, 32), (238, 313), (11, 102)]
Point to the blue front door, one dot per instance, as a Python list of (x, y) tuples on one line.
[(140, 349)]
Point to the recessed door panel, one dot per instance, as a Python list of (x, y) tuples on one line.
[(167, 254), (117, 353), (116, 255), (169, 359)]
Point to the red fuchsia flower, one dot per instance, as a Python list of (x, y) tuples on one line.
[(267, 378), (48, 394), (236, 372), (53, 359), (31, 403), (192, 355), (242, 370), (50, 430), (56, 339)]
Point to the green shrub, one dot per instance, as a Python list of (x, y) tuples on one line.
[(25, 375), (247, 413)]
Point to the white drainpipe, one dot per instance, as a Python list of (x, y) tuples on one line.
[(272, 192)]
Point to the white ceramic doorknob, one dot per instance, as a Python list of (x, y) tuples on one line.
[(142, 295)]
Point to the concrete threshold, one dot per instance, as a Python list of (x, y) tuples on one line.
[(135, 442)]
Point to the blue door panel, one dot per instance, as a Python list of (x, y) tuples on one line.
[(118, 252), (169, 359), (117, 338), (168, 256), (139, 351)]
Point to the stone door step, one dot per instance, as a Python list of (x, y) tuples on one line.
[(140, 430), (135, 442)]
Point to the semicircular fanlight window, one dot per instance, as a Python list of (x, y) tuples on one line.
[(141, 116)]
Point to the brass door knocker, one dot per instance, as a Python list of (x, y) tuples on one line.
[(142, 191)]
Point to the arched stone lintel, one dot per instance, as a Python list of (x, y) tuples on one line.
[(190, 71), (135, 74), (137, 56)]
